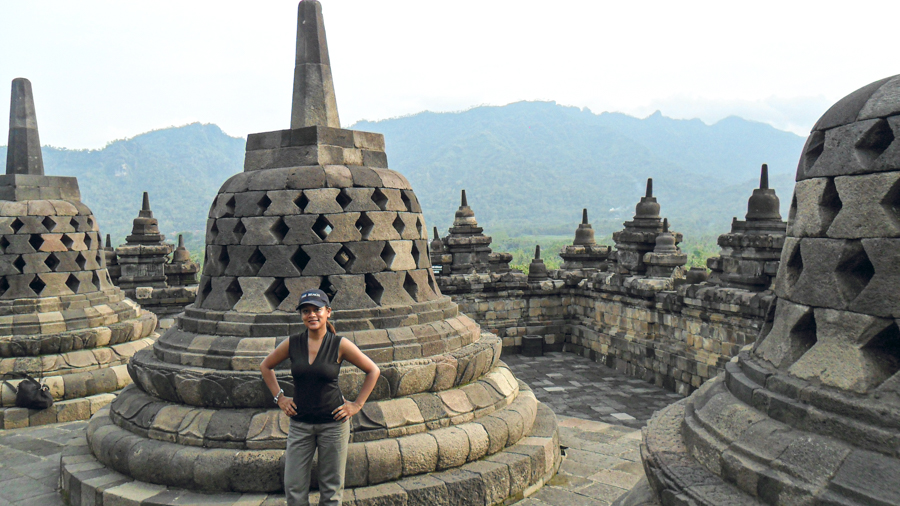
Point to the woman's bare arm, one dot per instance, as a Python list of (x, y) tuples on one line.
[(350, 353), (267, 367)]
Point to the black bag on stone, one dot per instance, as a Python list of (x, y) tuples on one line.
[(30, 393)]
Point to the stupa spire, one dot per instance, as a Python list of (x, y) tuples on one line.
[(764, 177), (23, 155), (314, 102)]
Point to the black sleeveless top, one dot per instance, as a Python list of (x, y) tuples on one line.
[(316, 391)]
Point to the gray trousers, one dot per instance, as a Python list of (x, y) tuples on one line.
[(331, 440)]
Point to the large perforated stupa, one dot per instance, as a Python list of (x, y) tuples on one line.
[(317, 207), (811, 414), (61, 318)]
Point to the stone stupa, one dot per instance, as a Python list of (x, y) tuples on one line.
[(61, 318), (810, 414), (317, 207)]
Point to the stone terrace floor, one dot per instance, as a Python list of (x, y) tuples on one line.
[(600, 411)]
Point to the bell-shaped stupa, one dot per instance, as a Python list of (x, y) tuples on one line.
[(61, 318), (317, 207), (811, 413)]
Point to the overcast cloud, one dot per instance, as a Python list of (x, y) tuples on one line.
[(110, 69)]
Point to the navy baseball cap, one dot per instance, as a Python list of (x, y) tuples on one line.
[(316, 298)]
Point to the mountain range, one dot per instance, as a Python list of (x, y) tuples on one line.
[(528, 169)]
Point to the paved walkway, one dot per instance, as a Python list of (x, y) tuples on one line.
[(599, 410), (576, 386)]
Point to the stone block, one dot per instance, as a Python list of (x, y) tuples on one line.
[(878, 295), (419, 454), (453, 447), (385, 462), (816, 203), (322, 201), (264, 230), (867, 206), (300, 230)]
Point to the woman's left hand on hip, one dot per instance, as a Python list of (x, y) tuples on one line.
[(347, 410)]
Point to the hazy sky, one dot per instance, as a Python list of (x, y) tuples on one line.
[(103, 70)]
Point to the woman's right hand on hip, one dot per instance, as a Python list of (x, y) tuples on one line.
[(287, 405)]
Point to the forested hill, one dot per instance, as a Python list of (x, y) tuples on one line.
[(528, 168), (182, 168)]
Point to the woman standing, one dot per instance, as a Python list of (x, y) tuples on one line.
[(320, 416)]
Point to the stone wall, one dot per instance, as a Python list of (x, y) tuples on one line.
[(675, 338)]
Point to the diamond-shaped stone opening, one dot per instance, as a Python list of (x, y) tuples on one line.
[(263, 204), (48, 223), (276, 293), (365, 225), (74, 224), (431, 282), (411, 287), (234, 292), (830, 202), (814, 150), (88, 241), (794, 266), (322, 227), (344, 258), (19, 263), (884, 350), (67, 241), (792, 213), (280, 229), (380, 199), (874, 142), (4, 243), (229, 207), (205, 290), (95, 280), (52, 262), (343, 199), (399, 225), (223, 260), (326, 286), (81, 260), (73, 283), (16, 225), (256, 261), (37, 285), (388, 254), (420, 227), (407, 203), (301, 201), (239, 230), (90, 223), (374, 289), (802, 336), (4, 286), (36, 241), (213, 231), (300, 259), (891, 200), (854, 272), (415, 254)]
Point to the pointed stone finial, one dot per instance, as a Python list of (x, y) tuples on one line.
[(764, 177), (23, 152), (181, 241), (649, 187), (665, 225), (436, 236), (108, 242), (314, 102), (537, 252), (462, 201), (584, 219), (146, 212)]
